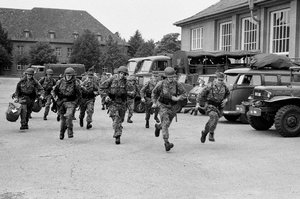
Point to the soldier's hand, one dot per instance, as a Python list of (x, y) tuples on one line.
[(96, 93), (175, 98), (224, 102), (154, 105), (143, 100), (197, 106), (107, 99)]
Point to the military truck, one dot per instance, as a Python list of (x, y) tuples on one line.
[(134, 65), (279, 105)]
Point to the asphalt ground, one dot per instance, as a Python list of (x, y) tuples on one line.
[(242, 163)]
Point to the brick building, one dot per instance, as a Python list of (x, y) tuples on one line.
[(59, 27)]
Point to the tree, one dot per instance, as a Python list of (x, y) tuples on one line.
[(114, 56), (41, 53), (5, 48), (86, 50), (135, 42), (168, 44), (146, 49)]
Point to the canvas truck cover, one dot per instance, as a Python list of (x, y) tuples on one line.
[(274, 61), (59, 69)]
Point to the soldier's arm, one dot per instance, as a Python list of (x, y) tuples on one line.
[(156, 92), (182, 94), (202, 97), (18, 90), (143, 89), (104, 87), (40, 89)]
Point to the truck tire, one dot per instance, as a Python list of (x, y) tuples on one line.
[(231, 118), (139, 107), (287, 121), (260, 123)]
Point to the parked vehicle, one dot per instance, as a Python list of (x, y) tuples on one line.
[(134, 65), (279, 105), (242, 88)]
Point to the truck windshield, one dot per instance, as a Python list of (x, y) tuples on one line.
[(131, 67), (146, 66)]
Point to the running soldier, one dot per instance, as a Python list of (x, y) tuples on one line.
[(27, 90), (90, 89), (116, 90), (68, 93), (103, 78), (213, 98), (146, 92), (47, 82), (132, 93), (165, 95)]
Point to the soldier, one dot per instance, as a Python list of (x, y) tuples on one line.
[(213, 98), (90, 89), (27, 90), (165, 95), (103, 78), (146, 98), (47, 82), (116, 90), (68, 93), (132, 93)]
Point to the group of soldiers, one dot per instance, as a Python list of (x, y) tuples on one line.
[(118, 94)]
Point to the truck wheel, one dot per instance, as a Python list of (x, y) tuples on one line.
[(231, 118), (139, 107), (287, 121), (260, 123)]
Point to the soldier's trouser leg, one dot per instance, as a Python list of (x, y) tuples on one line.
[(23, 114), (69, 107), (166, 116), (90, 111), (130, 106), (148, 106), (117, 113), (82, 109), (212, 122), (47, 105)]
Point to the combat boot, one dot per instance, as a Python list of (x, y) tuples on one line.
[(103, 108), (58, 118), (211, 137), (23, 127), (118, 139), (156, 119), (147, 124), (203, 136), (45, 117), (89, 125), (81, 122), (157, 130), (168, 146), (129, 120), (70, 133)]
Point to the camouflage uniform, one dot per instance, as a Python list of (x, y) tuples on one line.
[(212, 97), (90, 89), (146, 91), (102, 94), (68, 93), (162, 95), (132, 91), (27, 90), (116, 89), (47, 83)]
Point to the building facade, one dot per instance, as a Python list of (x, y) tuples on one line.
[(271, 26), (58, 27)]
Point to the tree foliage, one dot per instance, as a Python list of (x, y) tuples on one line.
[(134, 43), (146, 49), (168, 44), (41, 53), (86, 50), (114, 56), (5, 48)]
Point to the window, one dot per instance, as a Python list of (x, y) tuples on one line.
[(249, 34), (58, 51), (20, 50), (69, 52), (6, 68), (197, 38), (225, 36), (75, 35), (20, 67), (280, 32), (51, 34), (99, 37), (271, 80), (26, 33)]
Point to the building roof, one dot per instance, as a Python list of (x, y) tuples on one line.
[(221, 6), (40, 21)]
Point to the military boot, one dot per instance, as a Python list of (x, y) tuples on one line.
[(211, 137), (118, 139), (81, 122), (103, 107), (157, 130), (129, 120), (168, 145), (58, 118), (89, 125), (70, 133), (156, 119), (147, 124), (23, 127), (45, 117), (203, 136)]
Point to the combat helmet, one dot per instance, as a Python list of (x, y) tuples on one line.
[(69, 71), (29, 71), (169, 72), (123, 69), (49, 72)]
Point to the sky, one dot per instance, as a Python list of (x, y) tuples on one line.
[(153, 18)]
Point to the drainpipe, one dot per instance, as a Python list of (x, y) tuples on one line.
[(251, 6)]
